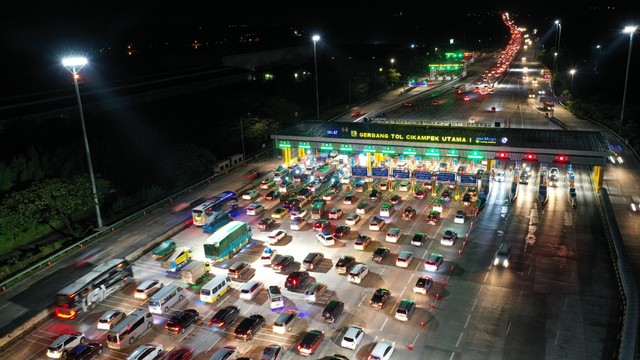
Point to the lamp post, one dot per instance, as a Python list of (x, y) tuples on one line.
[(74, 65), (559, 32), (242, 136), (392, 61), (627, 30), (315, 39), (572, 72)]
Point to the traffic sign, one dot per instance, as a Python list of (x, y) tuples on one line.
[(446, 177), (424, 175), (468, 179), (358, 171), (401, 174), (380, 171)]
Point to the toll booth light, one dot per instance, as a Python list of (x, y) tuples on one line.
[(369, 149), (432, 153), (409, 151), (502, 155), (304, 146), (388, 150), (529, 157), (327, 147), (475, 155), (284, 145), (453, 152), (346, 148), (562, 158)]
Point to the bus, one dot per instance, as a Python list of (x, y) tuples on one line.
[(317, 210), (92, 288), (215, 288), (130, 329), (162, 301), (227, 240), (214, 208)]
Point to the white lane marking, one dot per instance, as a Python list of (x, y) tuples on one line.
[(459, 339), (474, 304), (383, 324), (467, 322), (508, 328)]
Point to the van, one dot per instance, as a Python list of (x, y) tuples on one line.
[(276, 300), (314, 291), (165, 298), (332, 311), (215, 288), (386, 210), (283, 323)]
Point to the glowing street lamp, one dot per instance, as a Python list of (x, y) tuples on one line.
[(559, 32), (74, 65), (627, 30), (315, 39), (572, 72)]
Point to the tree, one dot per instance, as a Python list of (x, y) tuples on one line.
[(54, 201)]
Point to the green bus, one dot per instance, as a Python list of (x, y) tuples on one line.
[(317, 210), (227, 240)]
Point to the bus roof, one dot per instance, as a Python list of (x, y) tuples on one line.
[(127, 321), (91, 276), (224, 231)]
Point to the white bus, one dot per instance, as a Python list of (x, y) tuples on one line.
[(130, 329), (212, 209), (215, 288), (165, 298)]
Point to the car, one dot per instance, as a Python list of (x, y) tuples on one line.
[(395, 199), (297, 280), (250, 289), (423, 285), (634, 203), (239, 269), (437, 205), (147, 351), (344, 264), (268, 254), (467, 98), (276, 300), (248, 327), (362, 242), (405, 309), (615, 158), (384, 185), (266, 223), (460, 217), (110, 318), (279, 213), (341, 231), (298, 223), (449, 238), (404, 186), (329, 195), (404, 259), (313, 260), (435, 103), (165, 249), (84, 351), (254, 209), (466, 199), (357, 273), (418, 239), (180, 353), (275, 236), (380, 298), (251, 174), (326, 238), (59, 348), (314, 292), (224, 316), (298, 212), (433, 262), (335, 213), (393, 235), (409, 213), (310, 342), (420, 194), (350, 199), (374, 195), (376, 224), (285, 186), (266, 184), (382, 350), (320, 225), (362, 207), (472, 191), (272, 352), (181, 320), (352, 219), (433, 217), (500, 176), (352, 337), (282, 262), (291, 202), (446, 196), (225, 353), (313, 186), (272, 195), (379, 254), (250, 194), (503, 255), (284, 322)]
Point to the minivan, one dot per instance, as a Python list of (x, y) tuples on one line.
[(314, 291), (284, 321), (332, 311)]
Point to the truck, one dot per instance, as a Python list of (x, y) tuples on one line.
[(325, 172), (227, 240), (178, 259), (194, 272)]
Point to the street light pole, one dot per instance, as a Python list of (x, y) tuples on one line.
[(315, 39), (627, 30), (74, 65), (559, 31), (572, 72)]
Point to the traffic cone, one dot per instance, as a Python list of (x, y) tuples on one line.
[(410, 347), (444, 283), (422, 324)]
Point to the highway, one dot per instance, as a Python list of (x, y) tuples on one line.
[(557, 300)]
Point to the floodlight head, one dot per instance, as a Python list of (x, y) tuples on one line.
[(572, 71), (315, 38), (557, 22), (74, 61), (630, 29)]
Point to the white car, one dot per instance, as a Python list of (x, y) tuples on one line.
[(460, 216), (437, 206), (268, 254), (251, 289), (335, 213), (500, 176), (298, 213), (146, 352), (250, 194), (423, 285), (448, 238), (433, 262), (382, 350), (404, 259), (404, 186), (298, 223), (393, 235), (376, 224), (357, 273), (276, 235), (254, 209), (353, 337), (147, 288), (352, 219), (110, 318), (326, 238), (61, 345)]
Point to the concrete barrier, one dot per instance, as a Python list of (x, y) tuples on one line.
[(41, 316)]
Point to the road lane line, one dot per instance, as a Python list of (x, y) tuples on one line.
[(459, 339), (403, 290), (214, 344), (364, 297), (566, 300), (467, 322), (557, 335), (383, 324), (452, 355), (485, 277), (508, 328), (474, 304)]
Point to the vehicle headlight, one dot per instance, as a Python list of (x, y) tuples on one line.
[(496, 261), (620, 161), (634, 207), (505, 263)]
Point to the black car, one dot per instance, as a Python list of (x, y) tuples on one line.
[(374, 195), (310, 342), (380, 298), (85, 351), (282, 262), (248, 327), (224, 316), (345, 263), (418, 239), (313, 260), (380, 253), (341, 231), (466, 199), (181, 320), (297, 280), (266, 223), (272, 195), (409, 213)]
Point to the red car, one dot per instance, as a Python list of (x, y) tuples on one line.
[(251, 174), (341, 232), (180, 354), (320, 225)]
